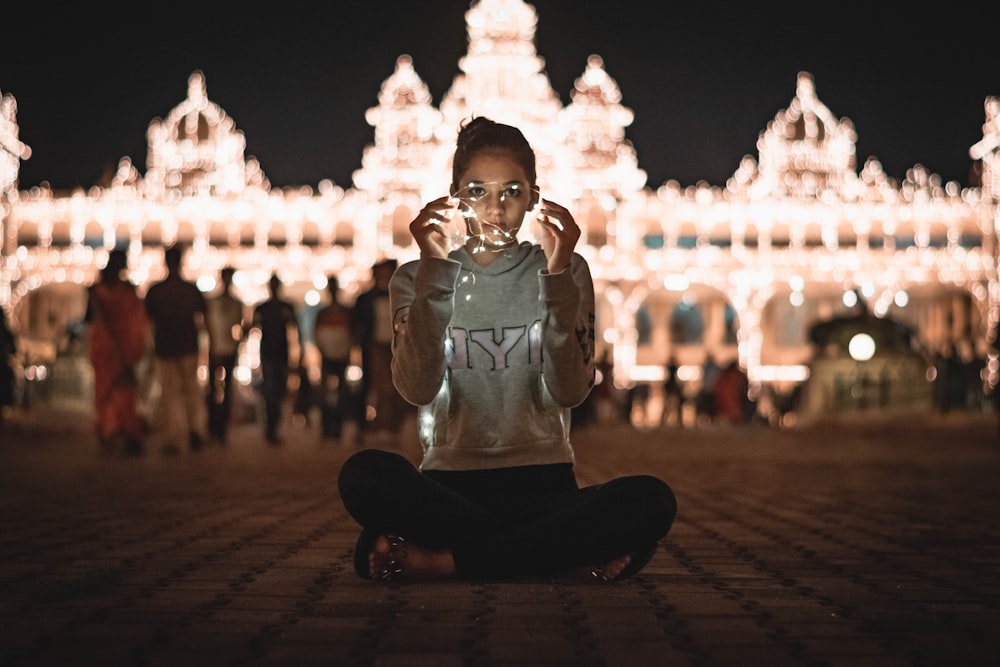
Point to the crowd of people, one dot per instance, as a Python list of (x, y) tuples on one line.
[(164, 363), (146, 353), (8, 379), (712, 395)]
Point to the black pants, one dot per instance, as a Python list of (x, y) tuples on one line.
[(508, 522), (335, 396), (274, 388), (220, 394)]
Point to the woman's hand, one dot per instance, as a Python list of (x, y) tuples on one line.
[(559, 234), (431, 228)]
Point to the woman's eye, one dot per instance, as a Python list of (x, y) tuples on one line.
[(512, 192), (476, 191)]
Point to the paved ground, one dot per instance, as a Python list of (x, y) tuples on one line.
[(863, 545)]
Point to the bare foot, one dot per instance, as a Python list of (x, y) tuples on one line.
[(394, 558), (609, 571), (612, 569)]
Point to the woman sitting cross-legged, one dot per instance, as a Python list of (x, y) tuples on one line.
[(494, 342)]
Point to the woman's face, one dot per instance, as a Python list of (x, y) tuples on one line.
[(493, 197)]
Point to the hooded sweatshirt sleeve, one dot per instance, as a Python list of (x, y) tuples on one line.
[(568, 332), (421, 296)]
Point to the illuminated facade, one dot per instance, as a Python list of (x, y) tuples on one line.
[(738, 271)]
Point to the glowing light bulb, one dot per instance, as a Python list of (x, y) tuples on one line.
[(861, 347)]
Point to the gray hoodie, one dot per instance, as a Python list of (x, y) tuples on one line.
[(494, 356)]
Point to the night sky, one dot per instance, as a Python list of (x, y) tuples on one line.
[(703, 80)]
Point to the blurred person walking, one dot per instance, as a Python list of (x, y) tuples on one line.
[(226, 322), (732, 402), (177, 309), (118, 340), (673, 395), (333, 335), (8, 382), (705, 409), (276, 319), (382, 403)]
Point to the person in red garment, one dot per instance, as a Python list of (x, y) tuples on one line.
[(118, 339), (731, 401)]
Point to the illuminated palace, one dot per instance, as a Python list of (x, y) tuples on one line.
[(738, 271)]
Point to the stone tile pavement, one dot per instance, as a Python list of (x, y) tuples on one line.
[(862, 544)]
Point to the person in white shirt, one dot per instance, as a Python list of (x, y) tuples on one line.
[(226, 318), (333, 335)]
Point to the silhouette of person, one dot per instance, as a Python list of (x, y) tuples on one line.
[(383, 406), (604, 393), (177, 310), (334, 337), (496, 366), (225, 318), (705, 400), (8, 380), (731, 400), (673, 395), (637, 404), (276, 319), (118, 340)]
